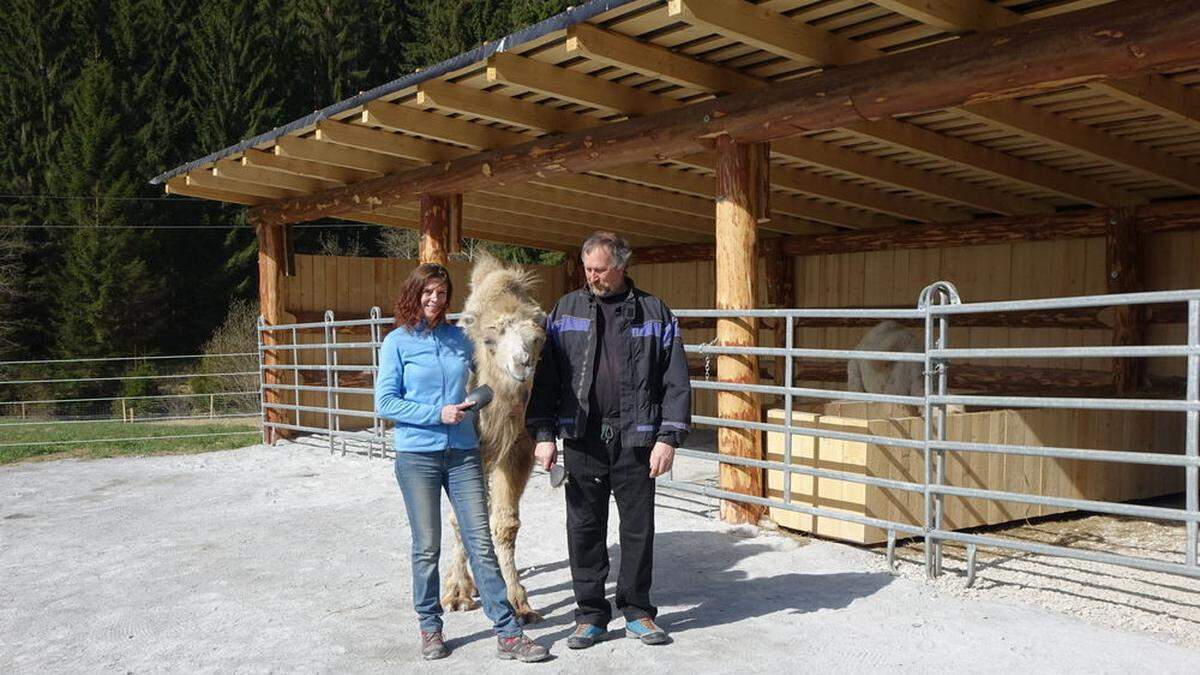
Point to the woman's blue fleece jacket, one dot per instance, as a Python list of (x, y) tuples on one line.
[(420, 372)]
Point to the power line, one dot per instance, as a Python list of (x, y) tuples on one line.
[(22, 226), (175, 199)]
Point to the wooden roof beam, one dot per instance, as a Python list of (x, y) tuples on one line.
[(1055, 130), (496, 108), (528, 114), (335, 176), (622, 51), (179, 186), (599, 92), (335, 155), (1166, 34), (205, 179), (922, 141), (762, 28), (573, 86), (386, 142), (955, 15), (1170, 99), (235, 170), (1152, 91)]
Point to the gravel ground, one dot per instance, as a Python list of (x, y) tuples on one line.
[(1106, 595), (288, 559)]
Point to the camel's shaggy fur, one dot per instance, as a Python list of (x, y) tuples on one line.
[(505, 324), (903, 378)]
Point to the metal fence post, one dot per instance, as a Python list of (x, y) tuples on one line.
[(328, 379), (1193, 419), (376, 421), (268, 435), (926, 452), (787, 410)]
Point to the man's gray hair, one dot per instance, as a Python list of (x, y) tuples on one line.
[(617, 247)]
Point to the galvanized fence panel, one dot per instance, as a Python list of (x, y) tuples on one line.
[(937, 307)]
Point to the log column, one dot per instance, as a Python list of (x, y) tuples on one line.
[(572, 270), (272, 263), (742, 180), (1124, 276), (436, 212)]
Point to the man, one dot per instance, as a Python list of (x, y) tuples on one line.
[(612, 382)]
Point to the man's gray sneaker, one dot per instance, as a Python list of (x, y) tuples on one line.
[(585, 636), (433, 646), (644, 629), (520, 648)]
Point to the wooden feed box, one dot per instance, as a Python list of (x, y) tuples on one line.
[(1097, 429)]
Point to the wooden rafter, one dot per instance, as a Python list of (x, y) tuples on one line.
[(1056, 130), (564, 83), (1152, 91), (1079, 46), (334, 175), (524, 113)]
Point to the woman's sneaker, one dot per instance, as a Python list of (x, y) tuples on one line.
[(585, 636), (433, 646), (520, 648), (644, 629)]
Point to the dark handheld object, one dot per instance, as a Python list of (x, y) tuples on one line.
[(480, 397)]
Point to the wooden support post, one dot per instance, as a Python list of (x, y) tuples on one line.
[(435, 222), (742, 174), (779, 268), (454, 230), (1122, 248), (573, 270), (272, 259)]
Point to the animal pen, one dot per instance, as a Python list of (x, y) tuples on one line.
[(1016, 181)]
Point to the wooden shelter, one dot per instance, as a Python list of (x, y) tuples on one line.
[(819, 127)]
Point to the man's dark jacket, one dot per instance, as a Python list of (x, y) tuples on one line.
[(656, 399)]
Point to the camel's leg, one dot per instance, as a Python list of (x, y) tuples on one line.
[(459, 587), (508, 485)]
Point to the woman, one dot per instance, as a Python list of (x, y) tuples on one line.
[(423, 369)]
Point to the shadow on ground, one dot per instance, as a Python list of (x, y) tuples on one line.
[(700, 571)]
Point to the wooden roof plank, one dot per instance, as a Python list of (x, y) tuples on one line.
[(386, 142), (336, 176), (1049, 128), (179, 186)]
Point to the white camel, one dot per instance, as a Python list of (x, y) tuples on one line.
[(903, 378), (505, 323)]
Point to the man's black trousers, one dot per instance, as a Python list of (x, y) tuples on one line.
[(598, 469)]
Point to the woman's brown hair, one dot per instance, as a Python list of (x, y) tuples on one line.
[(408, 304)]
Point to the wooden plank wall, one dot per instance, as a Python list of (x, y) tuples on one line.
[(351, 286), (1172, 263)]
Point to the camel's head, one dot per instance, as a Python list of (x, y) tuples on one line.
[(513, 342), (503, 320)]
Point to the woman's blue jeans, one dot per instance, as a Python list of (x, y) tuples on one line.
[(422, 477)]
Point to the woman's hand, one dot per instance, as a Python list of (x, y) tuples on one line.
[(453, 413)]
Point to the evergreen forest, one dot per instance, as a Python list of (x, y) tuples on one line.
[(99, 96)]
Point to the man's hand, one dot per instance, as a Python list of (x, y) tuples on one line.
[(546, 454), (661, 459), (453, 413)]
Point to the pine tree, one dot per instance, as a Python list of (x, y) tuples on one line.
[(38, 61), (108, 299), (230, 74), (527, 12)]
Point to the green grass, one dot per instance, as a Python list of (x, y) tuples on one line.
[(77, 435)]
